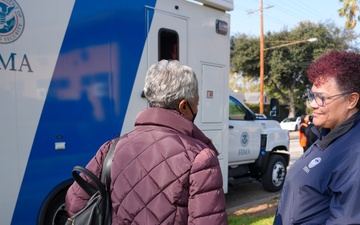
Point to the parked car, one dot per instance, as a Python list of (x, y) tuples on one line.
[(260, 116), (291, 124)]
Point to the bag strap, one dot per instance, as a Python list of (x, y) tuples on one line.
[(106, 169), (88, 188), (105, 176)]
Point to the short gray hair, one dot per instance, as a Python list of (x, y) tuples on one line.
[(167, 83)]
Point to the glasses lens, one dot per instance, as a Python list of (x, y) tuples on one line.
[(315, 96), (319, 99), (310, 96)]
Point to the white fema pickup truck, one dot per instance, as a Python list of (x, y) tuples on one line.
[(258, 148)]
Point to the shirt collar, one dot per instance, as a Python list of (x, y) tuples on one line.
[(328, 136)]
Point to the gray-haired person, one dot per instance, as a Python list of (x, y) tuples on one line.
[(166, 170)]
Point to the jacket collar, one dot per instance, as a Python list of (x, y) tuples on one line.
[(174, 120), (328, 136)]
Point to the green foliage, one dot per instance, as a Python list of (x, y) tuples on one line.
[(239, 83), (349, 11), (285, 67)]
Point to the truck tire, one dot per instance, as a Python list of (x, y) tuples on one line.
[(274, 176), (56, 212)]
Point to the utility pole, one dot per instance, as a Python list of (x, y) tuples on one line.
[(261, 98), (261, 108)]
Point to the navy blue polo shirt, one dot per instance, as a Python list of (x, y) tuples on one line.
[(323, 185)]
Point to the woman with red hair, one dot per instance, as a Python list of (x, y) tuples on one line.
[(322, 187)]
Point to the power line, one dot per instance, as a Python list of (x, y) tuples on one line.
[(309, 10), (290, 11), (294, 10)]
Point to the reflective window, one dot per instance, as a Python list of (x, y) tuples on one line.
[(236, 110), (168, 44)]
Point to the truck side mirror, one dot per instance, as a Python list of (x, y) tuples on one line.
[(274, 107)]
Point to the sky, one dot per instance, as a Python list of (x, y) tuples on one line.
[(278, 14)]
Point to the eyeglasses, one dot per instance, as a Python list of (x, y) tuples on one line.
[(319, 99)]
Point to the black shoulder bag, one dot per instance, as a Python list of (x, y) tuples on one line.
[(97, 211)]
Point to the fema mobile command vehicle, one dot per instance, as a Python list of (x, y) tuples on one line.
[(71, 78)]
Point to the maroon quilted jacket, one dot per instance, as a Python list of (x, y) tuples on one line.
[(165, 171)]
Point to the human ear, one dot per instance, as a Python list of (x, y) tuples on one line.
[(182, 106), (353, 100)]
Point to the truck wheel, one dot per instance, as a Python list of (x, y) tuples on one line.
[(274, 176), (56, 213)]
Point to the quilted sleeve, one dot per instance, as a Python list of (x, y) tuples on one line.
[(76, 198), (207, 200)]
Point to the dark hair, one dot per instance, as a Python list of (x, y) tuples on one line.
[(342, 65), (311, 118), (302, 118)]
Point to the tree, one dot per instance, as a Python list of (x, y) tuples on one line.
[(239, 83), (349, 10), (285, 67)]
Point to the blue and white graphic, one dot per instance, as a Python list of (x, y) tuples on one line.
[(73, 78), (12, 21), (314, 162)]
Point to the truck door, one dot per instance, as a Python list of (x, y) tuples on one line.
[(244, 134), (167, 38)]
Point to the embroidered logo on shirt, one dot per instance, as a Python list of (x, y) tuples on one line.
[(314, 162), (306, 169)]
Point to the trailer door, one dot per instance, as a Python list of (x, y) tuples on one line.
[(167, 37)]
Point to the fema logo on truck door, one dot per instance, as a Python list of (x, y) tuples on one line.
[(12, 21), (244, 139)]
